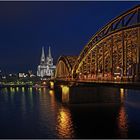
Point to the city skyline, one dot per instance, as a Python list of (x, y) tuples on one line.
[(93, 91), (65, 26)]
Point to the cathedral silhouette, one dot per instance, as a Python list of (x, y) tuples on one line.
[(46, 67)]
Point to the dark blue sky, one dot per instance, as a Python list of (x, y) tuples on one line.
[(66, 26)]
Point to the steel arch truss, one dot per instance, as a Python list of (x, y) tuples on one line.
[(64, 66), (114, 52)]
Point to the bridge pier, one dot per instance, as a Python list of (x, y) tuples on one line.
[(80, 94), (94, 95)]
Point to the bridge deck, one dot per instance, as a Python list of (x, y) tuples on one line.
[(99, 83)]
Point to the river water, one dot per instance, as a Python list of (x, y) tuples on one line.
[(37, 113)]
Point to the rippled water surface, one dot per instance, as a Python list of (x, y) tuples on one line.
[(37, 113)]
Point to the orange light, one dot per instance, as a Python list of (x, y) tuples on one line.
[(64, 126), (65, 94), (122, 94), (122, 122), (65, 89), (51, 84), (51, 92)]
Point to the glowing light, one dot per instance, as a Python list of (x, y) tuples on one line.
[(44, 83), (30, 89), (52, 101), (65, 89), (51, 85), (122, 94), (23, 89), (65, 125), (51, 92), (11, 89), (65, 94), (17, 89), (122, 90), (122, 122)]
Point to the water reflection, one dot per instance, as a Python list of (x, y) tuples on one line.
[(52, 99), (123, 122), (12, 90), (64, 125), (12, 93), (43, 104), (23, 89), (17, 89), (40, 115), (30, 90), (5, 91), (122, 116), (51, 92), (31, 96), (51, 85), (65, 94), (122, 94)]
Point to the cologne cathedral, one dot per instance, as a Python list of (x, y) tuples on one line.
[(46, 67)]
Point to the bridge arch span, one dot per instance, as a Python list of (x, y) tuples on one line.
[(113, 53), (64, 66)]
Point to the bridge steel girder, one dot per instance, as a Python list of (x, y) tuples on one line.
[(114, 49), (64, 67)]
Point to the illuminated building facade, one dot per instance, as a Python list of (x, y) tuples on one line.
[(46, 67)]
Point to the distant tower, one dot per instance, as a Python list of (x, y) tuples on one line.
[(42, 61), (49, 58), (49, 55), (46, 67)]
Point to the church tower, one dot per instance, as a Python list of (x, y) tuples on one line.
[(42, 61), (46, 67), (49, 58)]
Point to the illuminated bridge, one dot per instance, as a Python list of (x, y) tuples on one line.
[(64, 66), (113, 53)]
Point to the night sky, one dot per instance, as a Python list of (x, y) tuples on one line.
[(66, 26)]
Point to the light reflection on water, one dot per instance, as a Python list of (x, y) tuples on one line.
[(52, 100), (122, 115), (39, 111), (23, 105), (123, 122), (64, 125), (23, 89), (65, 94)]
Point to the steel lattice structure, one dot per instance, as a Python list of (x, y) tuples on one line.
[(113, 53), (64, 66)]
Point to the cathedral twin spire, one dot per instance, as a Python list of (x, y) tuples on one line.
[(43, 59), (43, 56), (49, 55), (46, 67)]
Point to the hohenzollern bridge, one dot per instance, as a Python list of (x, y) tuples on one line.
[(113, 53)]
